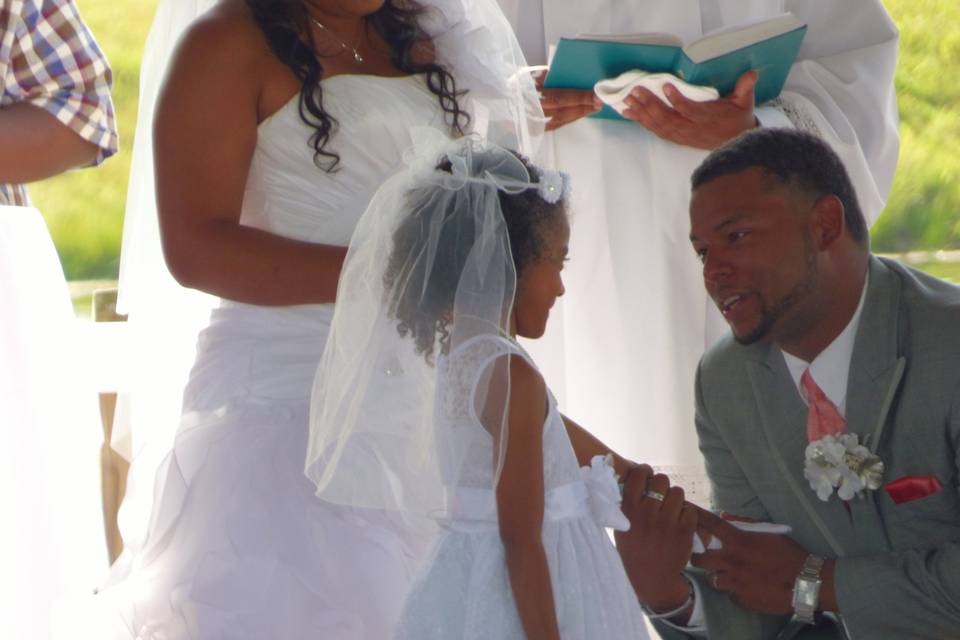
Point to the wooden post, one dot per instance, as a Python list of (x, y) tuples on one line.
[(113, 467)]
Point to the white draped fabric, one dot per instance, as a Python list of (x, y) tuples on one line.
[(621, 352), (52, 548), (231, 539), (163, 317)]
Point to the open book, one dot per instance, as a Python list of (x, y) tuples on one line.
[(716, 59)]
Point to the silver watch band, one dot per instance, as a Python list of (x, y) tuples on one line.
[(806, 590)]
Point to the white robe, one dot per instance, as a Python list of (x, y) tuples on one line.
[(621, 351)]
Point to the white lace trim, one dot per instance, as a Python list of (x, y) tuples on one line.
[(695, 483), (797, 116)]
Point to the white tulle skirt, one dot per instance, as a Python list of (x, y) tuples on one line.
[(464, 592), (238, 545)]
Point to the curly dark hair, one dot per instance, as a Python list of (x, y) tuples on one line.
[(793, 157), (421, 300), (284, 22)]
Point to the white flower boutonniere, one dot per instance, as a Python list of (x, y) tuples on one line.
[(840, 462)]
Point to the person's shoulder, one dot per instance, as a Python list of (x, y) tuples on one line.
[(929, 309), (227, 33), (723, 356)]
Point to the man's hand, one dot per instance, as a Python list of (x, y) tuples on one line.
[(757, 570), (564, 106), (657, 547), (704, 125)]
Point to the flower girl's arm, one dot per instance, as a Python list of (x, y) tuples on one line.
[(520, 497), (586, 445)]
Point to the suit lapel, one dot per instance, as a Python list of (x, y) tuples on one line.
[(876, 369), (783, 416)]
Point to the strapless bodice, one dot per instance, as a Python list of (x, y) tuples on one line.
[(288, 194), (272, 352)]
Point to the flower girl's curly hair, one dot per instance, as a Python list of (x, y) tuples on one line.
[(423, 309)]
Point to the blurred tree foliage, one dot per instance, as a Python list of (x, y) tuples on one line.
[(924, 208), (84, 209)]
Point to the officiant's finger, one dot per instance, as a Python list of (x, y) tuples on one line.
[(652, 113), (538, 78), (561, 117), (742, 94), (566, 98), (680, 102)]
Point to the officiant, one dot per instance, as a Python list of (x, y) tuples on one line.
[(631, 265)]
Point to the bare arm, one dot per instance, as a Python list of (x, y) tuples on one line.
[(204, 138), (520, 492), (586, 445), (36, 145)]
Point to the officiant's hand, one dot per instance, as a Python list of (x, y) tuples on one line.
[(657, 547), (704, 125), (564, 106), (757, 570)]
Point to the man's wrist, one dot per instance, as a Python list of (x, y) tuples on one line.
[(806, 590), (675, 607)]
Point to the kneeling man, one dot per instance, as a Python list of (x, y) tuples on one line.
[(832, 407)]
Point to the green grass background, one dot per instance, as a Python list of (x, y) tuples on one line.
[(84, 209)]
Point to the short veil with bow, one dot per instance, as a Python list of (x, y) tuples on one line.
[(430, 265)]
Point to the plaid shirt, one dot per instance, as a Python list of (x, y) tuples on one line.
[(48, 58)]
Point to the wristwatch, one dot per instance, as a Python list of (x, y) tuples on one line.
[(806, 590)]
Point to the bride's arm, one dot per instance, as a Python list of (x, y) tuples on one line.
[(204, 138), (520, 501)]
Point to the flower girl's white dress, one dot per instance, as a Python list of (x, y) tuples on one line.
[(464, 592), (238, 545)]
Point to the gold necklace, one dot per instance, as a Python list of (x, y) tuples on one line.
[(343, 45)]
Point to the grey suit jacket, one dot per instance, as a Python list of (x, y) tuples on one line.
[(898, 567)]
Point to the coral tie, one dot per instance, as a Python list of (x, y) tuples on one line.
[(823, 418)]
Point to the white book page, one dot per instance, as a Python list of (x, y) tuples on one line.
[(722, 41), (663, 39)]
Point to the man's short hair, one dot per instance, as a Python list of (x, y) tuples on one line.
[(793, 157)]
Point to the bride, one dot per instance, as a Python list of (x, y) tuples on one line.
[(275, 124)]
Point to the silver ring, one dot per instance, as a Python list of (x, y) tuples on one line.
[(715, 580), (656, 495)]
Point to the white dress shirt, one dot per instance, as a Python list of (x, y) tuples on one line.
[(831, 368)]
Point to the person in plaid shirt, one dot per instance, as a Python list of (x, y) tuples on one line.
[(55, 107)]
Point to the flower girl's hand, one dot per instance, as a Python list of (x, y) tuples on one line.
[(657, 547)]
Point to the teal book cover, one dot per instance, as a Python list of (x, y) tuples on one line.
[(581, 63)]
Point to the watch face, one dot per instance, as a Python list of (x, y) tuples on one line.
[(805, 593)]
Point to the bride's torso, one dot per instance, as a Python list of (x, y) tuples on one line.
[(289, 195), (272, 352)]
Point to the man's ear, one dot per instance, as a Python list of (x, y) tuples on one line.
[(827, 221)]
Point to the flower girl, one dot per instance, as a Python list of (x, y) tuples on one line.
[(427, 407)]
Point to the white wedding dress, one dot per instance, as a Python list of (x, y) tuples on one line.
[(238, 545), (463, 591)]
